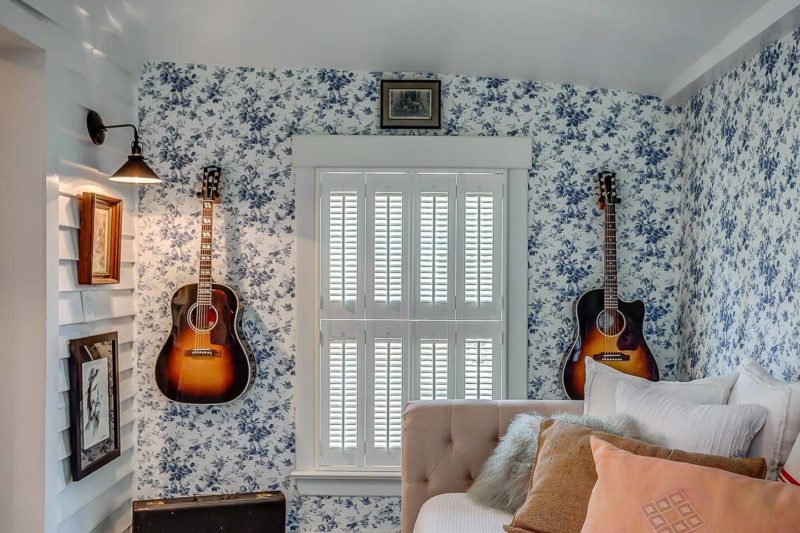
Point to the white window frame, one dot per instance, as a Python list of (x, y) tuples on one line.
[(314, 152)]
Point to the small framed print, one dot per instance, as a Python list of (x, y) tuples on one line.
[(409, 104), (100, 239), (94, 403)]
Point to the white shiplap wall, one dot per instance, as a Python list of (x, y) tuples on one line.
[(87, 310), (91, 62)]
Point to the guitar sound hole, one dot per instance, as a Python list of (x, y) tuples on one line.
[(611, 324), (203, 319)]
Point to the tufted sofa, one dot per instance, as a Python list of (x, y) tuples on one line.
[(446, 442)]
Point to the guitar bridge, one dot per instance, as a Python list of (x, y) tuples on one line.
[(611, 356), (202, 352)]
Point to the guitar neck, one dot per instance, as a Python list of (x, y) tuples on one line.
[(610, 257), (206, 232)]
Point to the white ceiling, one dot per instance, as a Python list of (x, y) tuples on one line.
[(639, 45)]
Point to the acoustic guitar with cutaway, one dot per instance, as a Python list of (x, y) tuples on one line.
[(205, 360), (609, 330)]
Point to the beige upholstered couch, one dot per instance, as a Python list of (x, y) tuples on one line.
[(446, 442)]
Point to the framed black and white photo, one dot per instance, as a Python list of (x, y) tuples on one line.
[(411, 104), (94, 403)]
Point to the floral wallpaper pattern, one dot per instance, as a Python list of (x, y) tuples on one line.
[(244, 119), (739, 295)]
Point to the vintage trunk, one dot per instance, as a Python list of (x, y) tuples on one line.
[(262, 512)]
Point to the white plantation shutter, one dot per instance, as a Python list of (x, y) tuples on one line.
[(434, 247), (478, 357), (387, 346), (433, 367), (343, 404), (343, 246), (479, 344), (434, 361), (342, 243), (411, 300), (434, 250), (341, 367), (387, 397), (480, 245), (388, 228), (388, 247)]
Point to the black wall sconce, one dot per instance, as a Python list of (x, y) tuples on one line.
[(135, 170)]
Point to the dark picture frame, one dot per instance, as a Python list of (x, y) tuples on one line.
[(100, 239), (93, 403), (411, 104)]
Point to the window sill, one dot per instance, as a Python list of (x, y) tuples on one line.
[(344, 483)]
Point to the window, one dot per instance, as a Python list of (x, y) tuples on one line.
[(405, 246), (410, 292)]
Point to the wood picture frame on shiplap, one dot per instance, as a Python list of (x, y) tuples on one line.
[(94, 403), (100, 239)]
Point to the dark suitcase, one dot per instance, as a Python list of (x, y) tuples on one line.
[(258, 512)]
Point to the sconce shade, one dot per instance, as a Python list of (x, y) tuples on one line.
[(135, 171)]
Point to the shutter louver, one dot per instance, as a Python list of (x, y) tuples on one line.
[(343, 246), (388, 393), (388, 246), (478, 365), (343, 394), (478, 248), (433, 368), (433, 248)]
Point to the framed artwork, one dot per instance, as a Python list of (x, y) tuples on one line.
[(94, 403), (409, 104), (100, 239)]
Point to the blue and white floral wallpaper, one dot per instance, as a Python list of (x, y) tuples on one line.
[(244, 119), (740, 288)]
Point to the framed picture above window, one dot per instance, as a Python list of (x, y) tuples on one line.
[(94, 403), (411, 104), (100, 239)]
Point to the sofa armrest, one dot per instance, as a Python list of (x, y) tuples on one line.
[(446, 442)]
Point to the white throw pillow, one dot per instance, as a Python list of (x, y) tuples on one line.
[(782, 400), (714, 429), (600, 389)]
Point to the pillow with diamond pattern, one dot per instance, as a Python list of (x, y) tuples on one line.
[(639, 493)]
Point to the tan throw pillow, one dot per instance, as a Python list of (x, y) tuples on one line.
[(565, 474)]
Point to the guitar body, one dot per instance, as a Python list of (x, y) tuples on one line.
[(621, 347), (209, 365)]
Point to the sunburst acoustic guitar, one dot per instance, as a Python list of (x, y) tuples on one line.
[(609, 330), (205, 360)]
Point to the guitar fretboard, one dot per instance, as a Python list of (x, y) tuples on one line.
[(204, 278), (610, 258)]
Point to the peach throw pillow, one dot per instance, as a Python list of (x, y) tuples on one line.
[(636, 494)]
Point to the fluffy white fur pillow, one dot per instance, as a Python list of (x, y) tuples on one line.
[(602, 380), (724, 430), (505, 477)]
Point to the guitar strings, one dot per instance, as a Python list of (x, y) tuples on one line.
[(609, 255), (604, 322), (203, 297)]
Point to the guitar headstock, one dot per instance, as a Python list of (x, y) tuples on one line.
[(211, 179), (607, 188)]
